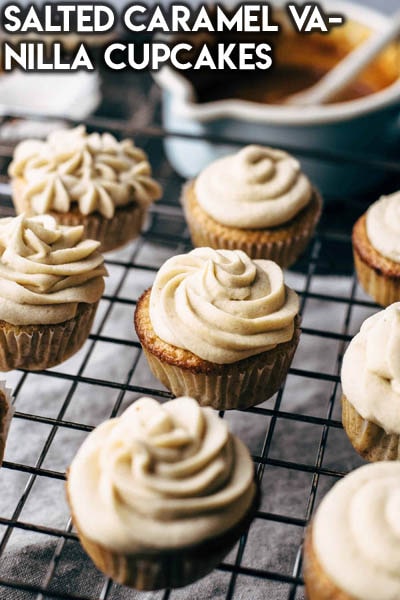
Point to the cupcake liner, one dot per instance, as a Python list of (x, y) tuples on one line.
[(378, 275), (235, 386), (6, 414), (317, 583), (123, 227), (284, 247), (160, 569), (37, 347), (368, 439), (284, 252), (383, 289)]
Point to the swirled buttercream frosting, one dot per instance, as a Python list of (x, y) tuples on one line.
[(256, 188), (46, 271), (221, 305), (356, 533), (93, 171), (161, 475), (383, 226), (371, 370)]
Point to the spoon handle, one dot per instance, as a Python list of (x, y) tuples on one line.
[(347, 70)]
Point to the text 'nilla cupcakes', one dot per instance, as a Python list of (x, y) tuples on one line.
[(220, 327), (161, 494), (371, 387), (376, 249), (352, 548), (51, 281), (85, 179), (257, 200)]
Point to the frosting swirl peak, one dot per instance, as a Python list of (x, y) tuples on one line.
[(163, 475), (371, 370), (221, 305), (256, 188), (94, 171), (383, 226), (356, 532), (46, 270)]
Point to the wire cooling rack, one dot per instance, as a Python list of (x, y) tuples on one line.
[(296, 439)]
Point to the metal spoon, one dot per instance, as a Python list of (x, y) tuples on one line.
[(338, 78)]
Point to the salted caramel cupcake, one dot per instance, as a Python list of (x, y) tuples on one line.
[(220, 327), (51, 281), (6, 413), (376, 248), (352, 547), (161, 494), (371, 387), (258, 201), (85, 179)]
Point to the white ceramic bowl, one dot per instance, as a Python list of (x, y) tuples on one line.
[(368, 125)]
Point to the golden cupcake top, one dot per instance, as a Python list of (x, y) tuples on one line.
[(222, 305), (160, 475), (383, 226), (257, 188), (46, 270), (356, 532), (371, 370), (94, 171)]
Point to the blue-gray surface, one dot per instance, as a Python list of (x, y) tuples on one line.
[(270, 546)]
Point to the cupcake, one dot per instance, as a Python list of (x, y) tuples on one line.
[(376, 248), (161, 494), (371, 387), (6, 412), (220, 327), (51, 281), (85, 179), (258, 201), (352, 548)]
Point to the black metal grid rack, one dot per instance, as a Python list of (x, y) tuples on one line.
[(296, 439)]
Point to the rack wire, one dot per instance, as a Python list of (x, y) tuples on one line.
[(296, 439)]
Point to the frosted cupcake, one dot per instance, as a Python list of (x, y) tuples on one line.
[(376, 247), (258, 201), (6, 412), (371, 387), (161, 494), (352, 548), (85, 179), (51, 281), (220, 327)]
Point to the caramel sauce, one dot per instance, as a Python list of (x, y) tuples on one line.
[(275, 86), (299, 62)]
